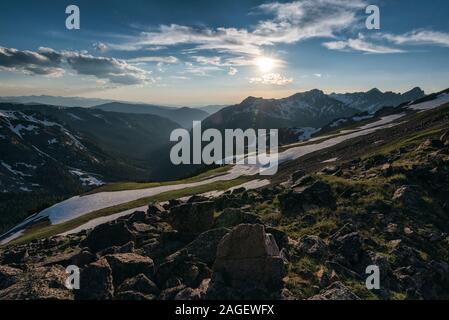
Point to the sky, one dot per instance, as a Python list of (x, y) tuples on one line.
[(193, 53)]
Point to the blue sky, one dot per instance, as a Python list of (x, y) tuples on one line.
[(219, 52)]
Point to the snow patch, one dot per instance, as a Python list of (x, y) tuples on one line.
[(86, 179), (330, 160), (435, 103), (15, 172), (74, 116)]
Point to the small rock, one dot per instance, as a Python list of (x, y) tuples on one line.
[(141, 284), (298, 174), (407, 195), (336, 291)]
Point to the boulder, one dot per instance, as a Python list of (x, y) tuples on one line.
[(139, 283), (445, 138), (406, 195), (41, 283), (137, 217), (231, 217), (280, 237), (82, 258), (155, 209), (181, 269), (430, 144), (204, 247), (349, 246), (336, 291), (197, 198), (300, 199), (15, 256), (128, 265), (96, 281), (248, 256), (194, 294), (108, 235), (8, 276), (313, 246), (193, 217)]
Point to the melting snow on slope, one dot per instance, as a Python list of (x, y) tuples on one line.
[(307, 132), (440, 100), (87, 179), (330, 160)]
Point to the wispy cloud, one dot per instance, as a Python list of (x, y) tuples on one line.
[(288, 23), (232, 71), (419, 37), (157, 59), (271, 79), (360, 44)]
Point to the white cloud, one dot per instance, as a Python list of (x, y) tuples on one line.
[(272, 79), (232, 71), (419, 37), (100, 46), (49, 62), (360, 44), (289, 23), (215, 61), (163, 59)]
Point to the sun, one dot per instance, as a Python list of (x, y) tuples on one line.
[(265, 64)]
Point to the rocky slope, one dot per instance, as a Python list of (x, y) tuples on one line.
[(309, 235)]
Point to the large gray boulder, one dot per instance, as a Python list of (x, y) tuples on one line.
[(108, 235), (192, 217), (96, 282), (247, 261), (128, 265)]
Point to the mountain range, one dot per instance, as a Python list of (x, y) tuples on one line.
[(374, 99), (184, 116), (307, 109)]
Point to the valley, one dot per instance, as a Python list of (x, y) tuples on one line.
[(111, 199)]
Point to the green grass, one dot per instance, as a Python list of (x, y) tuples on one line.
[(120, 186), (412, 139), (51, 230)]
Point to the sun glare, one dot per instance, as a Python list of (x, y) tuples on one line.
[(265, 64)]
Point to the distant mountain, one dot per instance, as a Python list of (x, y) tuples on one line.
[(55, 101), (212, 108), (49, 153), (307, 109), (130, 137), (183, 116), (375, 99)]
